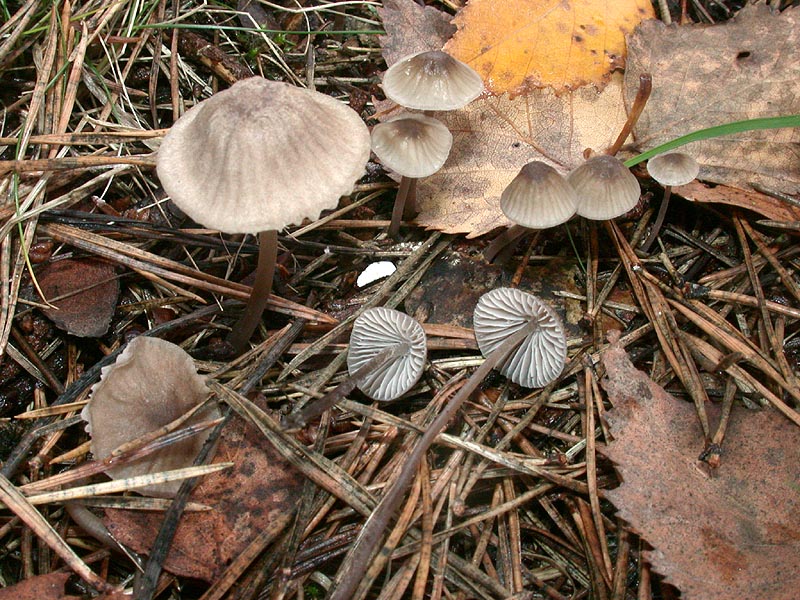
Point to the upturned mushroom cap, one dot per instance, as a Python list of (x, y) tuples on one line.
[(539, 197), (152, 383), (375, 329), (432, 80), (539, 359), (673, 168), (606, 188), (412, 145), (262, 155)]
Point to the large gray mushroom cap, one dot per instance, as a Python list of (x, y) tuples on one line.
[(673, 168), (374, 330), (432, 80), (152, 383), (539, 197), (262, 155), (541, 356), (412, 145), (606, 188)]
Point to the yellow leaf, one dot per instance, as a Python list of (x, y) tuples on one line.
[(518, 45)]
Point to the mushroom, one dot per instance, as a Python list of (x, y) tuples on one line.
[(606, 188), (669, 169), (528, 322), (152, 383), (257, 157), (413, 146), (537, 198), (432, 80), (541, 355), (385, 359)]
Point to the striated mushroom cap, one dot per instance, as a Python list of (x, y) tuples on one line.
[(432, 80), (539, 197), (540, 358), (673, 168), (375, 329), (412, 145), (262, 155), (606, 188), (152, 383)]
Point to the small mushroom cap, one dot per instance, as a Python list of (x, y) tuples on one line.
[(673, 168), (262, 155), (375, 329), (540, 358), (606, 188), (412, 145), (432, 80), (539, 197), (152, 383)]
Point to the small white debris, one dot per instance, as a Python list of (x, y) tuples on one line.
[(375, 271)]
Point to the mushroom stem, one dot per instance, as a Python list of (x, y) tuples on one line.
[(337, 394), (662, 212), (400, 200), (645, 87), (358, 560), (503, 240), (262, 286)]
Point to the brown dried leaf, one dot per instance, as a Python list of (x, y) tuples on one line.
[(710, 75), (84, 292), (40, 587), (730, 534), (259, 494), (494, 137), (770, 207), (411, 28)]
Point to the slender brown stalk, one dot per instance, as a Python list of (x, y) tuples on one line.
[(399, 209), (262, 286), (503, 240), (645, 87)]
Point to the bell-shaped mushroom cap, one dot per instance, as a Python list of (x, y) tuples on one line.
[(152, 383), (262, 155), (539, 197), (432, 80), (673, 168), (540, 357), (375, 329), (606, 188), (412, 145)]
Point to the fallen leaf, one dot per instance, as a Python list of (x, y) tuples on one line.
[(411, 28), (494, 137), (770, 207), (729, 534), (706, 75), (40, 587), (520, 45), (258, 495), (84, 292)]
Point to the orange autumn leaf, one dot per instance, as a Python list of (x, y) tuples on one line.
[(518, 45)]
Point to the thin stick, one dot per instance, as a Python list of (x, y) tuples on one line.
[(645, 87)]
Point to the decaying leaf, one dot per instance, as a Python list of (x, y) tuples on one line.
[(770, 207), (411, 28), (41, 587), (710, 75), (258, 495), (84, 292), (494, 137), (520, 45), (728, 534)]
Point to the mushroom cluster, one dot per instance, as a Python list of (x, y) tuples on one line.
[(414, 145)]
